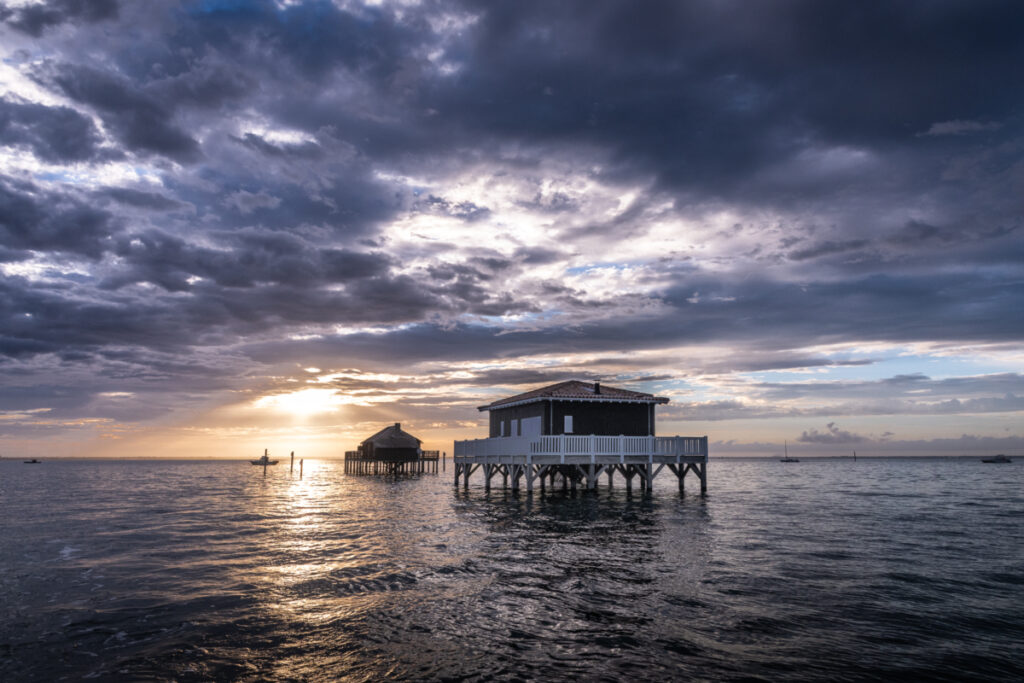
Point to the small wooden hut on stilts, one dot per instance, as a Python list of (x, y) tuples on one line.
[(390, 451)]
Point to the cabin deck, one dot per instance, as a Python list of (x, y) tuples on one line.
[(426, 462), (581, 458)]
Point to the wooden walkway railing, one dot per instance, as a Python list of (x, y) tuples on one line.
[(589, 444), (581, 458)]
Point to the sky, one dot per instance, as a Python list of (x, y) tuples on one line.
[(228, 226)]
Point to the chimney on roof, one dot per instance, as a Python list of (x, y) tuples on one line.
[(597, 387), (398, 425)]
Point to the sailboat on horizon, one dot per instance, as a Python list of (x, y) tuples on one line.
[(786, 458)]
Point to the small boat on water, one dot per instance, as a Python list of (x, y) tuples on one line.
[(786, 458), (264, 459), (997, 459), (33, 461)]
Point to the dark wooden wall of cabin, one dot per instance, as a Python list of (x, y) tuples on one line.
[(395, 454), (588, 417), (517, 413)]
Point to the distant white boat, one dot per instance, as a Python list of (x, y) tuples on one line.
[(264, 460), (997, 459)]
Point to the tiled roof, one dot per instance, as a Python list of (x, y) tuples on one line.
[(576, 390), (393, 437)]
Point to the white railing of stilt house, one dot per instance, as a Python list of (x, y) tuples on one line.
[(584, 444)]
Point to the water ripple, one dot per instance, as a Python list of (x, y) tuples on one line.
[(190, 571)]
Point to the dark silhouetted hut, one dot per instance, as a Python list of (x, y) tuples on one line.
[(391, 450), (391, 444)]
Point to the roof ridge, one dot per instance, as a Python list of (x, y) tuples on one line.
[(585, 391)]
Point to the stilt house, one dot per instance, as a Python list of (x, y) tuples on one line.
[(577, 431)]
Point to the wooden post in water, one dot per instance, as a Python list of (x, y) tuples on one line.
[(291, 467), (300, 468)]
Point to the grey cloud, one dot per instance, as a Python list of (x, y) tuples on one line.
[(307, 150), (253, 258), (958, 127), (142, 199), (207, 85), (916, 386), (538, 256), (141, 121), (33, 218), (554, 202), (728, 99), (33, 19), (246, 202), (916, 233), (966, 445), (831, 435), (826, 249), (467, 211), (54, 134)]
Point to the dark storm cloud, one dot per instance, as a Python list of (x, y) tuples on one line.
[(142, 122), (890, 307), (826, 249), (939, 396), (50, 319), (707, 95), (353, 381), (32, 218), (206, 85), (54, 134), (780, 316), (251, 258), (314, 37), (141, 199), (537, 256), (35, 18)]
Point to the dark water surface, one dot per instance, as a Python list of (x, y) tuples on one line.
[(827, 569)]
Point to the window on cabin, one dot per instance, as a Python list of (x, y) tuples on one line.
[(501, 428), (568, 424), (516, 430)]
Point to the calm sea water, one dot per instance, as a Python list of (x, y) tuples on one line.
[(826, 569)]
